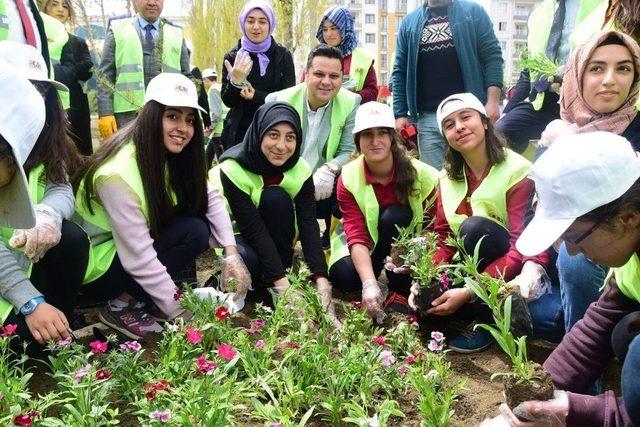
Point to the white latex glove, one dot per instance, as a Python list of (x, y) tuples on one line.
[(372, 300), (324, 289), (498, 421), (39, 239), (323, 181), (550, 413), (554, 130), (241, 67), (414, 292), (233, 267), (402, 269), (533, 281)]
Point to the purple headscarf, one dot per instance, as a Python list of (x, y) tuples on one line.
[(257, 48)]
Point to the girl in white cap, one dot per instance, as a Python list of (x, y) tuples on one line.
[(144, 200), (484, 193), (377, 192)]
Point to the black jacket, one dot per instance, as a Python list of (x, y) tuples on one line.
[(280, 74), (632, 133)]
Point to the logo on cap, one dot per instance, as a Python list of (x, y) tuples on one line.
[(35, 64), (181, 89)]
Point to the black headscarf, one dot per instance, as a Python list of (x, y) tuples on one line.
[(248, 152)]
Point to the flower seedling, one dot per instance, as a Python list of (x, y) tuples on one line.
[(423, 269)]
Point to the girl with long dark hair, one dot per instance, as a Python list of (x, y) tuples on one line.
[(144, 200), (380, 190)]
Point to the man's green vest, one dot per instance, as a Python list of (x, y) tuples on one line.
[(4, 22), (490, 198), (37, 186), (588, 22), (628, 278), (343, 104), (97, 226), (57, 38), (354, 180), (129, 85), (361, 61)]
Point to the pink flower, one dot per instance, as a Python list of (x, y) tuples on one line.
[(402, 370), (380, 340), (444, 281), (356, 304), (205, 366), (257, 324), (434, 346), (23, 420), (162, 416), (411, 319), (8, 329), (260, 344), (82, 372), (98, 346), (226, 351), (410, 359), (64, 342), (177, 294), (250, 331), (194, 336), (386, 358), (130, 346), (222, 313), (438, 336)]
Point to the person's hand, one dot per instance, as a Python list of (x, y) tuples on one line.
[(397, 269), (414, 292), (248, 92), (549, 413), (493, 111), (39, 239), (533, 281), (372, 300), (556, 129), (324, 289), (107, 126), (47, 323), (449, 302), (233, 267), (241, 68), (401, 123), (323, 181)]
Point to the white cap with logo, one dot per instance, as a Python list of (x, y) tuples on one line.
[(22, 118), (209, 72), (576, 175), (457, 102), (373, 115), (172, 90), (28, 60)]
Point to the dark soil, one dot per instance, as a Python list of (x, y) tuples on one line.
[(518, 391), (427, 295), (398, 253)]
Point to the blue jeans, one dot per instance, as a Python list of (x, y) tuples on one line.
[(547, 316), (431, 143), (631, 381)]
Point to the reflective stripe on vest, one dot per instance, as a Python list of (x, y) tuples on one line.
[(628, 279), (354, 180), (361, 61), (4, 22), (489, 200), (342, 105), (37, 186), (57, 38), (129, 85), (588, 22)]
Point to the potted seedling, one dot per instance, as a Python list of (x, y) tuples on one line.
[(423, 270), (401, 244), (526, 380)]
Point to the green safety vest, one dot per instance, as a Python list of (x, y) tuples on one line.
[(354, 180), (97, 226), (225, 110), (57, 38), (588, 22), (4, 22), (37, 186), (129, 85), (627, 278), (343, 104), (490, 198), (361, 61)]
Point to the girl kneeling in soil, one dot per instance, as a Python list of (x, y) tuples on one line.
[(53, 255), (588, 189), (269, 190), (377, 192), (144, 200), (484, 194)]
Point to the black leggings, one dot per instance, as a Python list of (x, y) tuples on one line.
[(58, 275), (178, 245), (277, 214), (343, 274), (494, 244)]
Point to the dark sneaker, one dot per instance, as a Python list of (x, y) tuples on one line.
[(155, 313), (470, 340), (131, 320)]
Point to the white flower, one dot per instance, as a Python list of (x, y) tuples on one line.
[(173, 327), (386, 357)]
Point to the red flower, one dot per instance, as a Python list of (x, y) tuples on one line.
[(410, 359), (356, 304), (103, 374), (380, 340), (178, 293), (98, 346), (194, 336), (8, 330), (291, 344), (205, 366), (222, 313), (23, 420), (411, 319), (150, 395), (251, 331), (226, 351)]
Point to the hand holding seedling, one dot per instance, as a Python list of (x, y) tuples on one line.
[(235, 274), (449, 302), (550, 413), (372, 300)]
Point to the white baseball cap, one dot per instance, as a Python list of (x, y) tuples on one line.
[(22, 118), (373, 115), (28, 61), (172, 90), (576, 175), (209, 72), (457, 102)]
